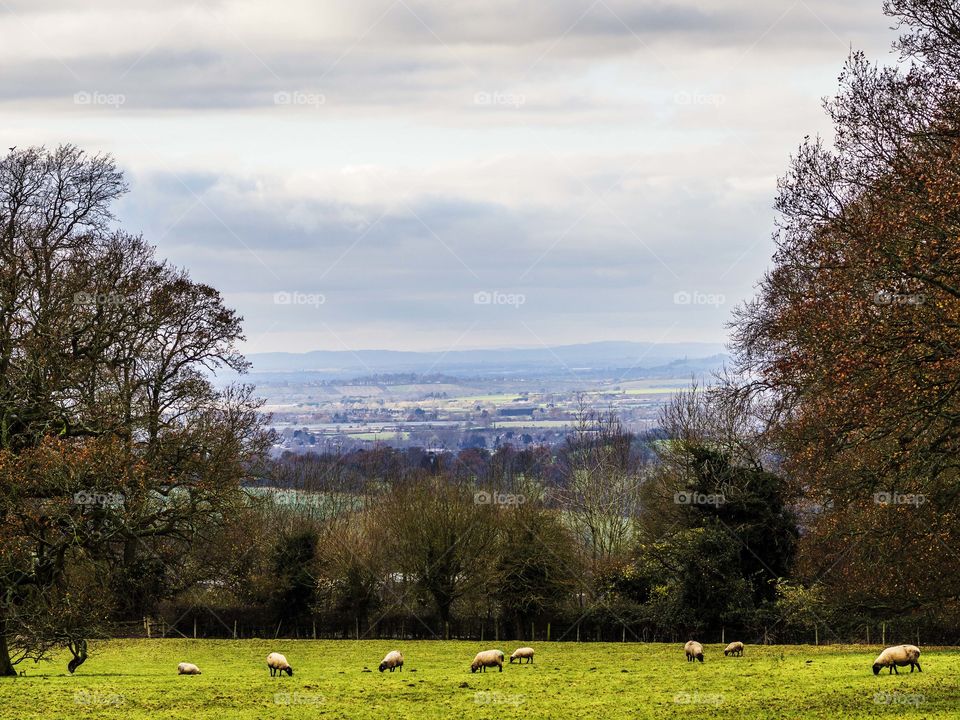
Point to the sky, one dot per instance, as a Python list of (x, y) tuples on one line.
[(443, 174)]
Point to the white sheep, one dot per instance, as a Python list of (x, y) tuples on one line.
[(520, 653), (734, 648), (187, 669), (694, 651), (278, 664), (901, 655), (485, 659), (392, 660)]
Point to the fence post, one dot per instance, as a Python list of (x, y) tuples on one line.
[(447, 630), (723, 636), (816, 634), (883, 634), (194, 627), (548, 632), (532, 633), (234, 629)]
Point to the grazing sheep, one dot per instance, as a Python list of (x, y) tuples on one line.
[(278, 664), (392, 660), (694, 651), (187, 669), (485, 659), (520, 653), (734, 648), (901, 655)]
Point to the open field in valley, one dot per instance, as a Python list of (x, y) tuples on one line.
[(339, 679)]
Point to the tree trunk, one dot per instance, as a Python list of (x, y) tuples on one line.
[(79, 650), (6, 666)]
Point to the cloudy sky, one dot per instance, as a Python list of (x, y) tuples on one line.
[(437, 174)]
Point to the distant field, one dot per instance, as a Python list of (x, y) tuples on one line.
[(382, 435), (532, 423), (137, 679)]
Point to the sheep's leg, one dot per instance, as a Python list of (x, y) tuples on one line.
[(919, 669)]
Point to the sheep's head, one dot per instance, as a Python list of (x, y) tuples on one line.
[(383, 666), (473, 667), (876, 668), (289, 670)]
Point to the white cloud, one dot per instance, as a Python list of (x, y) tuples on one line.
[(598, 157)]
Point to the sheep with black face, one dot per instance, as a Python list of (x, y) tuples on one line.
[(278, 664), (485, 659), (392, 661), (898, 655), (693, 650)]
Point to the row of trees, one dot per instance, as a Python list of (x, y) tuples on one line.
[(116, 451), (854, 337), (650, 536)]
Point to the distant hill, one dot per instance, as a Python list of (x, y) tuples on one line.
[(587, 358)]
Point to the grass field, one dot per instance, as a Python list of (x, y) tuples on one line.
[(339, 679)]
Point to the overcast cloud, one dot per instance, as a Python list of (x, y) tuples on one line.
[(427, 175)]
